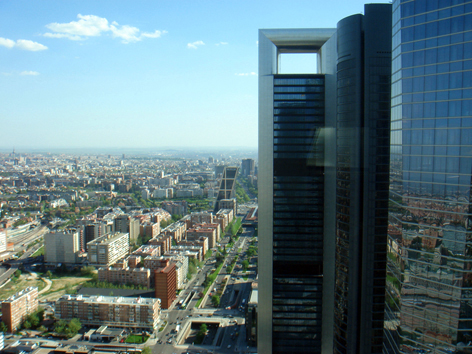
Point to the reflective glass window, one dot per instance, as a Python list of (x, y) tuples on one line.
[(441, 109), (455, 80), (454, 108), (440, 136)]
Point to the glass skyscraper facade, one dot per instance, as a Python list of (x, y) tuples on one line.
[(362, 169), (429, 277), (298, 203)]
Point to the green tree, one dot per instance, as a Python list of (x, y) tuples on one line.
[(201, 333), (245, 264), (26, 325), (3, 327), (74, 327), (215, 300), (146, 350), (87, 270), (49, 274), (42, 329), (60, 326)]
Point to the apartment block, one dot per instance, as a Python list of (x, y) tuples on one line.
[(197, 232), (61, 247), (229, 204), (108, 249), (226, 214), (199, 242), (165, 241), (126, 224), (18, 306), (181, 267), (175, 208), (3, 241), (148, 250), (187, 251), (128, 275), (202, 217), (137, 313), (166, 284), (215, 226), (177, 230), (150, 229), (90, 232)]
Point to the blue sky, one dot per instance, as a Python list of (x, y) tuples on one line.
[(139, 74)]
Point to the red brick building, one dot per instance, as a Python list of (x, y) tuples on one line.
[(166, 284)]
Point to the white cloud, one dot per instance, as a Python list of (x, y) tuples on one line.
[(221, 43), (88, 25), (246, 74), (155, 34), (24, 44), (126, 33), (94, 26), (195, 45), (33, 73), (72, 37), (7, 42)]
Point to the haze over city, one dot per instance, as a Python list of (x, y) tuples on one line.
[(146, 74)]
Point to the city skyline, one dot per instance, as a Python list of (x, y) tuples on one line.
[(114, 75)]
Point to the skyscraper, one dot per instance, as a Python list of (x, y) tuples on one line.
[(247, 167), (323, 188), (429, 278)]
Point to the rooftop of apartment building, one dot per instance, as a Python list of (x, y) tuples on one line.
[(108, 238), (111, 299), (21, 293), (141, 269), (146, 249)]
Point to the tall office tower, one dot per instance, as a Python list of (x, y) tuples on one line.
[(429, 278), (322, 137), (364, 67), (227, 185), (248, 167)]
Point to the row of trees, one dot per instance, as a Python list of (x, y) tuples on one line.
[(193, 264), (241, 195), (248, 185), (106, 285)]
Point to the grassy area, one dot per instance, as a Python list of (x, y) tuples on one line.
[(21, 283), (136, 339), (64, 285), (163, 326), (39, 252)]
